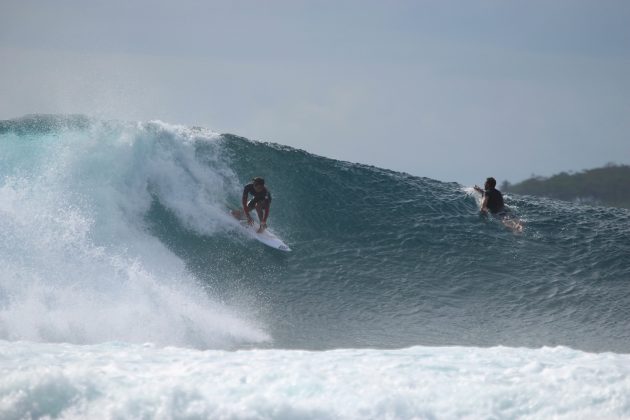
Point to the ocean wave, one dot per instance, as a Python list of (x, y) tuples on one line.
[(105, 221)]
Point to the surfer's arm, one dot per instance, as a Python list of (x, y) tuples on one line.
[(479, 190)]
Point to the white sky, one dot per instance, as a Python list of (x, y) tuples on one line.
[(451, 90)]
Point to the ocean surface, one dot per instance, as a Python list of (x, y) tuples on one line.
[(127, 290)]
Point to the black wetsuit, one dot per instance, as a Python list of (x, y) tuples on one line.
[(259, 197), (495, 201)]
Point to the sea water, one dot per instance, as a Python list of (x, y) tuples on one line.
[(126, 291)]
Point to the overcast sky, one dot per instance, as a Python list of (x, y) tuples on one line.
[(452, 90)]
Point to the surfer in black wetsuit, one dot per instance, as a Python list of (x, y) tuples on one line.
[(261, 202), (492, 198), (493, 203)]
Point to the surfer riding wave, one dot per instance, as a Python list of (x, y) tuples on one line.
[(261, 202)]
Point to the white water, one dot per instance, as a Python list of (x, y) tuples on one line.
[(134, 381), (76, 262)]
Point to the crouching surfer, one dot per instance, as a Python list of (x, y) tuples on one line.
[(492, 202), (261, 202)]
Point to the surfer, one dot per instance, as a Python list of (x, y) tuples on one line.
[(261, 202), (492, 198), (492, 202)]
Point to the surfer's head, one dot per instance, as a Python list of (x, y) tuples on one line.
[(259, 183), (490, 183)]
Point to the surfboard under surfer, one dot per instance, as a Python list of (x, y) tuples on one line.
[(261, 202)]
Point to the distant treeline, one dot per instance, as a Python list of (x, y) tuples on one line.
[(608, 186)]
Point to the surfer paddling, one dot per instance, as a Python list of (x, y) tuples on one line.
[(492, 202), (492, 198), (261, 202)]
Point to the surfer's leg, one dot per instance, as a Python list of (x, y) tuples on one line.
[(259, 211), (261, 208)]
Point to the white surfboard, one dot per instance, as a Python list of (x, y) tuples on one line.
[(266, 237)]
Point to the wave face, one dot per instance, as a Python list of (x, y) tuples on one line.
[(119, 232)]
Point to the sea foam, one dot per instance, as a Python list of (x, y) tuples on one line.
[(77, 262), (116, 380)]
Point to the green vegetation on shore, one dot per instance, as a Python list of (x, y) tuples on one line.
[(608, 186)]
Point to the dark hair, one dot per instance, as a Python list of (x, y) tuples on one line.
[(492, 182), (258, 181)]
